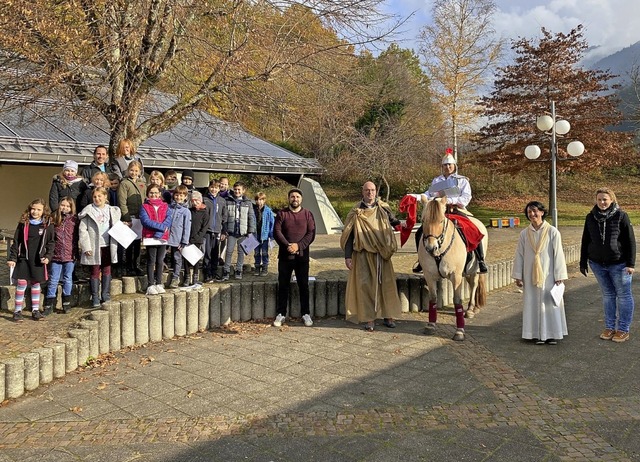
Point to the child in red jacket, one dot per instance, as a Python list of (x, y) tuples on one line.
[(155, 230)]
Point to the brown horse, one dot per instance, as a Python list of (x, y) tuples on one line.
[(443, 255)]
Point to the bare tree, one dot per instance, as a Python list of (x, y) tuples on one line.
[(112, 56), (457, 50)]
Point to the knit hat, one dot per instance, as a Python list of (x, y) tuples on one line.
[(196, 195), (187, 174), (70, 165)]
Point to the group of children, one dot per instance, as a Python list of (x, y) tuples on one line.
[(75, 224)]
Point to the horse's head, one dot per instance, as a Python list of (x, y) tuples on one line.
[(433, 223)]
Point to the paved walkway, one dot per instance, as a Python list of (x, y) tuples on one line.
[(334, 392)]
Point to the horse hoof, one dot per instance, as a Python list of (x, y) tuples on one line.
[(430, 329), (459, 336), (469, 313)]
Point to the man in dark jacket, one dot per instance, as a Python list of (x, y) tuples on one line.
[(217, 214), (100, 163)]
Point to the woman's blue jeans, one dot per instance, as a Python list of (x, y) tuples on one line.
[(617, 298), (58, 271)]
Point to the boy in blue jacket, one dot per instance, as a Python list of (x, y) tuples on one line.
[(264, 233), (179, 232)]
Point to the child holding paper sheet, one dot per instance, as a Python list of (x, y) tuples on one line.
[(97, 248), (199, 227), (155, 231), (179, 232), (130, 195)]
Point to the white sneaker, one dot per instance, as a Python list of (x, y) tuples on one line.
[(152, 290), (278, 321), (307, 320), (160, 289)]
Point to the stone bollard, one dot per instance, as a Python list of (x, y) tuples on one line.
[(203, 310), (141, 314), (31, 370), (59, 359), (116, 287), (127, 322), (46, 364), (257, 300), (102, 317), (214, 308), (342, 297), (180, 313), (332, 297), (168, 316), (246, 299), (270, 296), (402, 285), (225, 304), (236, 301), (82, 336), (294, 300), (129, 285), (3, 381), (14, 377), (415, 287), (312, 298), (7, 298), (320, 298), (115, 340), (155, 319), (70, 353), (94, 336)]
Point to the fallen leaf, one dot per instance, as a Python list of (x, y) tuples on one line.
[(76, 409), (102, 386)]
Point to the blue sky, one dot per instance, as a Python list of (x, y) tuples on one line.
[(609, 24)]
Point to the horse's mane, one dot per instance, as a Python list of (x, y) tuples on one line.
[(432, 212)]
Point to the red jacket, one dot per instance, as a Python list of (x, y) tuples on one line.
[(155, 223)]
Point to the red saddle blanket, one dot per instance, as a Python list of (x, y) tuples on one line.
[(472, 234)]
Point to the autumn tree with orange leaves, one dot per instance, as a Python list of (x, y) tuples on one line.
[(548, 69)]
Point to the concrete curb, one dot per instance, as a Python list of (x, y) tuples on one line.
[(178, 313)]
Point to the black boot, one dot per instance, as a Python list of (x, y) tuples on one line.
[(66, 303), (482, 266), (49, 305), (95, 292), (106, 288), (417, 268)]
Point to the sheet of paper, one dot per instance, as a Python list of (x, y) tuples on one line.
[(249, 243), (557, 291), (151, 241), (192, 253), (123, 234)]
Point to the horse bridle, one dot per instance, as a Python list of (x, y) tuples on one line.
[(440, 240)]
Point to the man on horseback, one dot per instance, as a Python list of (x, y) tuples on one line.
[(457, 190)]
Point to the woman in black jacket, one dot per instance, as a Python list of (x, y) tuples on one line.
[(609, 246)]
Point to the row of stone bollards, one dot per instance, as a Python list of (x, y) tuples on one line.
[(127, 321)]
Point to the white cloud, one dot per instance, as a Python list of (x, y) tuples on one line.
[(609, 25)]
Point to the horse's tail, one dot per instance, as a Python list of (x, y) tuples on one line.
[(481, 292)]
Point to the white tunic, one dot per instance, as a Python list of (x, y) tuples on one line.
[(462, 199), (541, 317)]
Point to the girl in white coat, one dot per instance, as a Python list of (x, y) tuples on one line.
[(97, 249)]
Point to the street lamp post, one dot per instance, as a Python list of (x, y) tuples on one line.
[(555, 128)]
